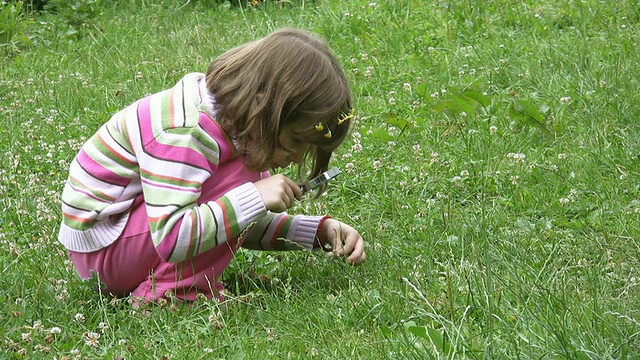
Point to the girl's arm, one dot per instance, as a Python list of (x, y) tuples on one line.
[(281, 232), (172, 180)]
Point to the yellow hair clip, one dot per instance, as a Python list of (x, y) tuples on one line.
[(346, 117), (319, 126), (328, 134)]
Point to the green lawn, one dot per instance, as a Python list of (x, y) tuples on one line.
[(493, 172)]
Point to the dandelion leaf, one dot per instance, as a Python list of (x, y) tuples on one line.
[(527, 113), (394, 120)]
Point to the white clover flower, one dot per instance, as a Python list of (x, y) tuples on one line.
[(377, 165), (79, 317), (26, 337), (350, 168), (517, 157), (91, 338), (564, 201), (406, 87), (37, 325), (493, 129)]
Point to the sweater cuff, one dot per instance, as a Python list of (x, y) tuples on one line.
[(247, 203), (304, 230)]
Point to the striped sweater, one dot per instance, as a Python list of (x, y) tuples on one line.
[(168, 148)]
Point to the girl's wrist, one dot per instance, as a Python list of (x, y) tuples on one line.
[(317, 244)]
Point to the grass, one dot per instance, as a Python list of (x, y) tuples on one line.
[(493, 172)]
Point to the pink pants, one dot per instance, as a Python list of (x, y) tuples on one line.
[(132, 265)]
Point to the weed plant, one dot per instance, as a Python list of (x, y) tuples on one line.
[(493, 169)]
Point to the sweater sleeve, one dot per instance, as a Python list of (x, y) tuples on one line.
[(172, 179), (280, 232)]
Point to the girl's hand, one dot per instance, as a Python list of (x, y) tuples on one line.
[(278, 192), (344, 241)]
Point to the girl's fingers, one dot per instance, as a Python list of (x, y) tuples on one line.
[(358, 255), (345, 242)]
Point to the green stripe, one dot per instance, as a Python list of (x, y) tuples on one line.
[(176, 181), (281, 241), (84, 198), (183, 138), (228, 209), (100, 149)]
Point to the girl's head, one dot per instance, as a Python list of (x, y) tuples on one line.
[(283, 97)]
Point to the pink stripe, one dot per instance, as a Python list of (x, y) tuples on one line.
[(144, 120), (89, 194), (168, 244), (100, 172), (161, 151), (211, 127), (170, 187)]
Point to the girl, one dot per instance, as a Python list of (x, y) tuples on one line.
[(162, 195)]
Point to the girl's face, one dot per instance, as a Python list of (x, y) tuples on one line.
[(290, 150)]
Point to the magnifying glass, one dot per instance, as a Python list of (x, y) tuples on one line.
[(320, 180)]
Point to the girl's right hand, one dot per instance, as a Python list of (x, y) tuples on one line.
[(278, 192)]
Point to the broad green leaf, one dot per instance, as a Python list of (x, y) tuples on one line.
[(394, 120), (421, 90), (433, 335), (479, 97)]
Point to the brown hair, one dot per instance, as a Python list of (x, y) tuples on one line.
[(289, 76)]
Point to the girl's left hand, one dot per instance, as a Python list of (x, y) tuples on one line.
[(344, 241)]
